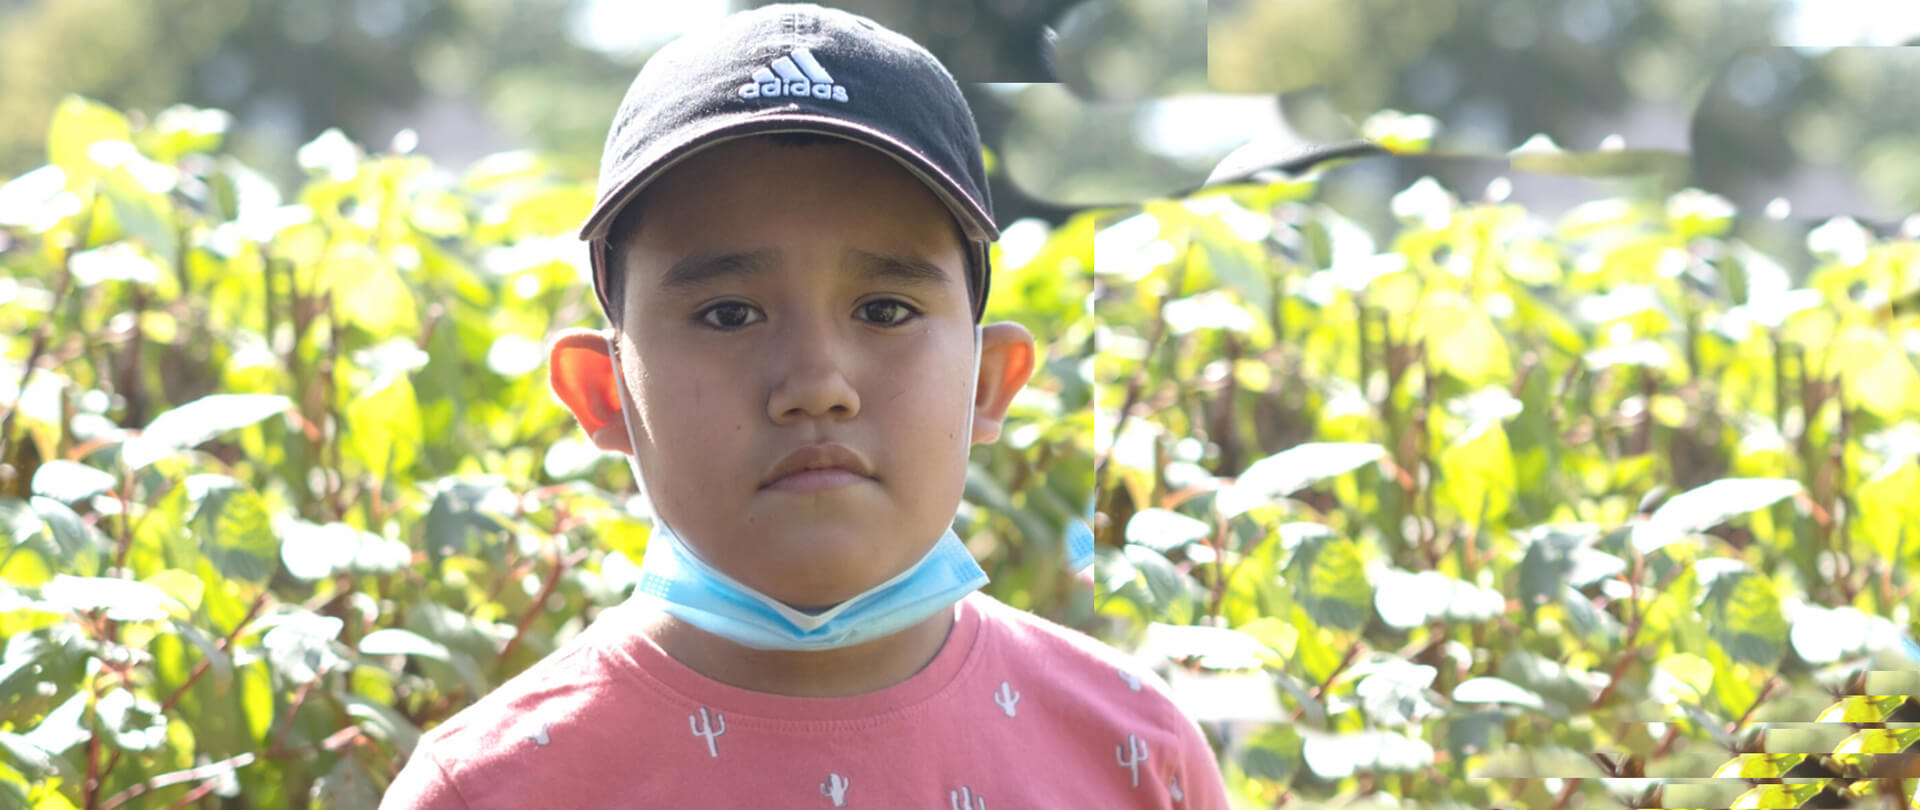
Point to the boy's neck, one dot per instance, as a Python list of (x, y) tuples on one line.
[(842, 672)]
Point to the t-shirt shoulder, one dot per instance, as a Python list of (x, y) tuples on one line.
[(1106, 694), (1095, 673), (549, 699)]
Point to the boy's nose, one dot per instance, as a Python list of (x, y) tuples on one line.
[(812, 383)]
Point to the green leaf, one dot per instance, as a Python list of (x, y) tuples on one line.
[(394, 641), (122, 599), (1272, 753), (1888, 509), (1496, 690), (198, 421), (1776, 796), (385, 723), (1334, 757), (19, 520), (380, 300), (236, 534), (1710, 505), (1462, 341), (1689, 669), (1274, 632), (1823, 636), (64, 727), (78, 124), (1331, 582), (1407, 600), (1476, 475), (299, 645), (69, 481), (36, 762), (1291, 470), (383, 427), (1172, 590), (1743, 613), (78, 545), (134, 723), (1548, 561), (1164, 530), (348, 786), (218, 662)]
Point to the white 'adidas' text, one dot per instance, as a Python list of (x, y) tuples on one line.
[(796, 74)]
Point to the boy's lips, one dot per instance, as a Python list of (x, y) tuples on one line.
[(816, 466)]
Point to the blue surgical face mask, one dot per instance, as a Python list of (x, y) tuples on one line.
[(687, 587)]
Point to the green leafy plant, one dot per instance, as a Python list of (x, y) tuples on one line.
[(1511, 511)]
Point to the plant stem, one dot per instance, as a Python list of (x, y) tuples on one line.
[(1154, 341), (61, 288), (205, 663), (560, 566), (192, 774), (1629, 652)]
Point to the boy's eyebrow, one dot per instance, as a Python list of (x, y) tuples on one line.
[(910, 270), (703, 268)]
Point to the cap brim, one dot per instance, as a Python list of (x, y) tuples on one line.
[(974, 219)]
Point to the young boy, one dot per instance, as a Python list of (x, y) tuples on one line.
[(791, 242)]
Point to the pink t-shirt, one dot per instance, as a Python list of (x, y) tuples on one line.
[(1013, 712)]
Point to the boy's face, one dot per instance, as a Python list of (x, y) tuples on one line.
[(779, 297)]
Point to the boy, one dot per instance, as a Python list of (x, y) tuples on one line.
[(791, 242)]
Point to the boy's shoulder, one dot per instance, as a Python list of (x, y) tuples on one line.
[(1077, 665), (559, 704)]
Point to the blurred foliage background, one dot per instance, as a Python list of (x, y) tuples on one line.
[(1425, 478), (1485, 507)]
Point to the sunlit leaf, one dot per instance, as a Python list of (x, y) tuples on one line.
[(198, 421), (121, 599), (1710, 505), (1291, 470), (78, 124), (382, 428), (1496, 690), (1164, 530), (394, 641), (69, 481), (135, 724)]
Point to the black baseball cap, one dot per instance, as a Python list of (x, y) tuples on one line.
[(797, 68)]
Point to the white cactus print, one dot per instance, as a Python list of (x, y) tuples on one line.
[(1131, 755), (835, 788), (966, 799), (1174, 792), (708, 726), (1133, 681), (540, 737), (1006, 698)]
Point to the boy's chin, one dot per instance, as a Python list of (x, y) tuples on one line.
[(819, 569)]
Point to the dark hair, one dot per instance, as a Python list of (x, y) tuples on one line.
[(627, 223)]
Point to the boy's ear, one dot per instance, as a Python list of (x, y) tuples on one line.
[(583, 375), (1006, 363)]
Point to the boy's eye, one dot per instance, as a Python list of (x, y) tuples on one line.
[(887, 312), (728, 315)]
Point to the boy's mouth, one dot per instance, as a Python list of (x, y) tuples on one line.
[(818, 466)]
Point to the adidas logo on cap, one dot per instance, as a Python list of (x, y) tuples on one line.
[(796, 74)]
